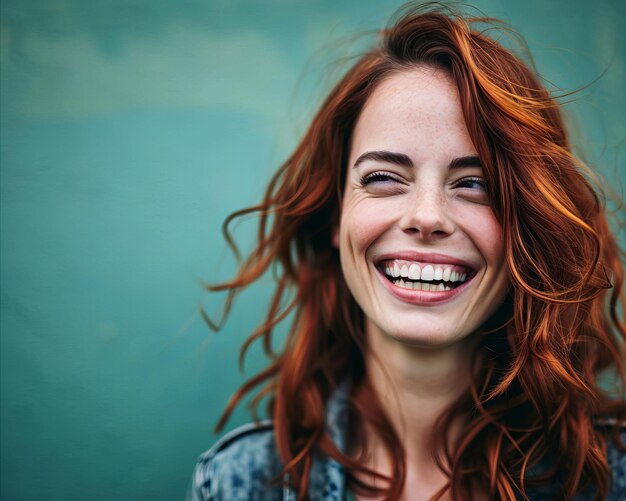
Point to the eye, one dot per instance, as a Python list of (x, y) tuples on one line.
[(472, 183), (379, 177), (473, 189)]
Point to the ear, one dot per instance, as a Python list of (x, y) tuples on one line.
[(335, 237)]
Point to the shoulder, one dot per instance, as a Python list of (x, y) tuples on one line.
[(616, 458), (241, 465), (244, 463)]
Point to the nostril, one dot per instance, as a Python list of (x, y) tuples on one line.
[(433, 234), (427, 224)]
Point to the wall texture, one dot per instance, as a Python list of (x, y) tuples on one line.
[(130, 129)]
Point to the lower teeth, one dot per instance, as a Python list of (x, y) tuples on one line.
[(421, 286)]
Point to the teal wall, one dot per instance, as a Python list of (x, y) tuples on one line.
[(130, 129)]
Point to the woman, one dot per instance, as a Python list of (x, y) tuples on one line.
[(454, 287)]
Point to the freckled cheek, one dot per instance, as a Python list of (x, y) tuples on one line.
[(362, 225), (485, 231), (493, 242)]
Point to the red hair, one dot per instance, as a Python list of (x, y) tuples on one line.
[(537, 391)]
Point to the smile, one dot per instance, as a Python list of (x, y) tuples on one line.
[(424, 282), (424, 276)]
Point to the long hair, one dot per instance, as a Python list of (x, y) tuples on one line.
[(537, 395)]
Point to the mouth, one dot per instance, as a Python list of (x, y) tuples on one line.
[(424, 276)]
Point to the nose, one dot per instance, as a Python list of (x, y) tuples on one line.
[(426, 215)]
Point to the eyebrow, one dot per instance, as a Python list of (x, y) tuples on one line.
[(469, 161), (385, 156), (404, 161)]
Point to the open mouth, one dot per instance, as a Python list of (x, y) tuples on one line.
[(425, 276)]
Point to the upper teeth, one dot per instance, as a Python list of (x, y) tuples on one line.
[(425, 272)]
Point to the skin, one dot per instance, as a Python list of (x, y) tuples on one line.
[(419, 344)]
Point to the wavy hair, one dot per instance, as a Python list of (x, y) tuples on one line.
[(537, 396)]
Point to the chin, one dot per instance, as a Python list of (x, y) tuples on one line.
[(425, 337)]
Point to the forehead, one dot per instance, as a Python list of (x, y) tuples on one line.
[(410, 110), (426, 85)]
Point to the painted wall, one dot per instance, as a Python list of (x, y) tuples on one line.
[(129, 131)]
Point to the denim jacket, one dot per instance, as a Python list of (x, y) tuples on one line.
[(241, 465)]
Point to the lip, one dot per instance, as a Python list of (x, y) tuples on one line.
[(423, 297), (423, 257)]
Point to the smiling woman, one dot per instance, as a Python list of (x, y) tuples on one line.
[(415, 208), (455, 290)]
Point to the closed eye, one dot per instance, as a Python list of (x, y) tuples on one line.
[(472, 189), (474, 183), (379, 177)]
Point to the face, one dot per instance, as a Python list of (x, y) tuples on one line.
[(421, 249)]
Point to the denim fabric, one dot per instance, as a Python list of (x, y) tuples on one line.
[(242, 464), (617, 463)]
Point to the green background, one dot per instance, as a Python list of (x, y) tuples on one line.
[(130, 129)]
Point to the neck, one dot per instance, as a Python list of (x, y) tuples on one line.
[(415, 385)]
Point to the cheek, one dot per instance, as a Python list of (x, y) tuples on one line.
[(486, 233), (492, 244), (362, 224)]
